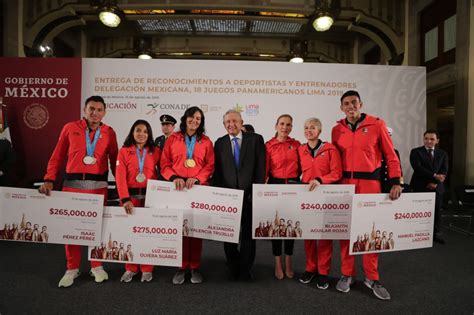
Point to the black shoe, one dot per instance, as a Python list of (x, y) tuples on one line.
[(234, 274), (247, 276), (323, 282), (438, 239), (306, 277)]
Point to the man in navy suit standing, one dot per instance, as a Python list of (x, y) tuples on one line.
[(430, 166), (239, 163)]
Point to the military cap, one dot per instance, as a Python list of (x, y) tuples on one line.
[(167, 119)]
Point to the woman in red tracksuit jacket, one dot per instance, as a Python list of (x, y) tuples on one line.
[(137, 162), (282, 168), (188, 159), (320, 164)]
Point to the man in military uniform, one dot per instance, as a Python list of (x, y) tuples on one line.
[(167, 127)]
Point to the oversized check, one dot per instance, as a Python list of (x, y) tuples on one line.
[(382, 225), (293, 212), (208, 212), (62, 218), (147, 236)]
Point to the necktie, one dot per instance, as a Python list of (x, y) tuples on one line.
[(236, 151), (431, 153)]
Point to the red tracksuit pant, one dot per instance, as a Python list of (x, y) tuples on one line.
[(192, 248), (369, 261), (73, 252), (134, 267), (318, 256)]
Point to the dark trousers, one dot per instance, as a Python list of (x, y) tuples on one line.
[(287, 244), (241, 260)]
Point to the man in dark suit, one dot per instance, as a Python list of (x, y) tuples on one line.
[(167, 127), (430, 167), (239, 163)]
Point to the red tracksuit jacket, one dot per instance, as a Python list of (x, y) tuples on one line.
[(72, 144), (325, 166), (174, 155), (361, 150), (127, 169), (282, 158)]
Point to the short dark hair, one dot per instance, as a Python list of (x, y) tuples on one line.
[(130, 140), (432, 131), (189, 113), (350, 93), (95, 98), (249, 128)]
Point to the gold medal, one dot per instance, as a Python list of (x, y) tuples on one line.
[(190, 163)]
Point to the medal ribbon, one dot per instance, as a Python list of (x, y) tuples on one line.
[(91, 146), (141, 160), (190, 143)]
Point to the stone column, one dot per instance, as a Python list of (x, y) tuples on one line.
[(470, 103), (463, 148), (13, 32)]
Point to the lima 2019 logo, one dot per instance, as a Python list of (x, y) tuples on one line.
[(248, 110)]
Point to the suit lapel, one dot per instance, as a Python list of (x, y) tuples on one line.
[(243, 148), (228, 148), (436, 157)]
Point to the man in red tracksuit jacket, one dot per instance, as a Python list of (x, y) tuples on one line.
[(86, 170), (362, 140)]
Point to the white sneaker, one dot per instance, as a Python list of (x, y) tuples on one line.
[(344, 284), (196, 276), (99, 274), (68, 279), (127, 276), (379, 290), (179, 276), (147, 277)]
